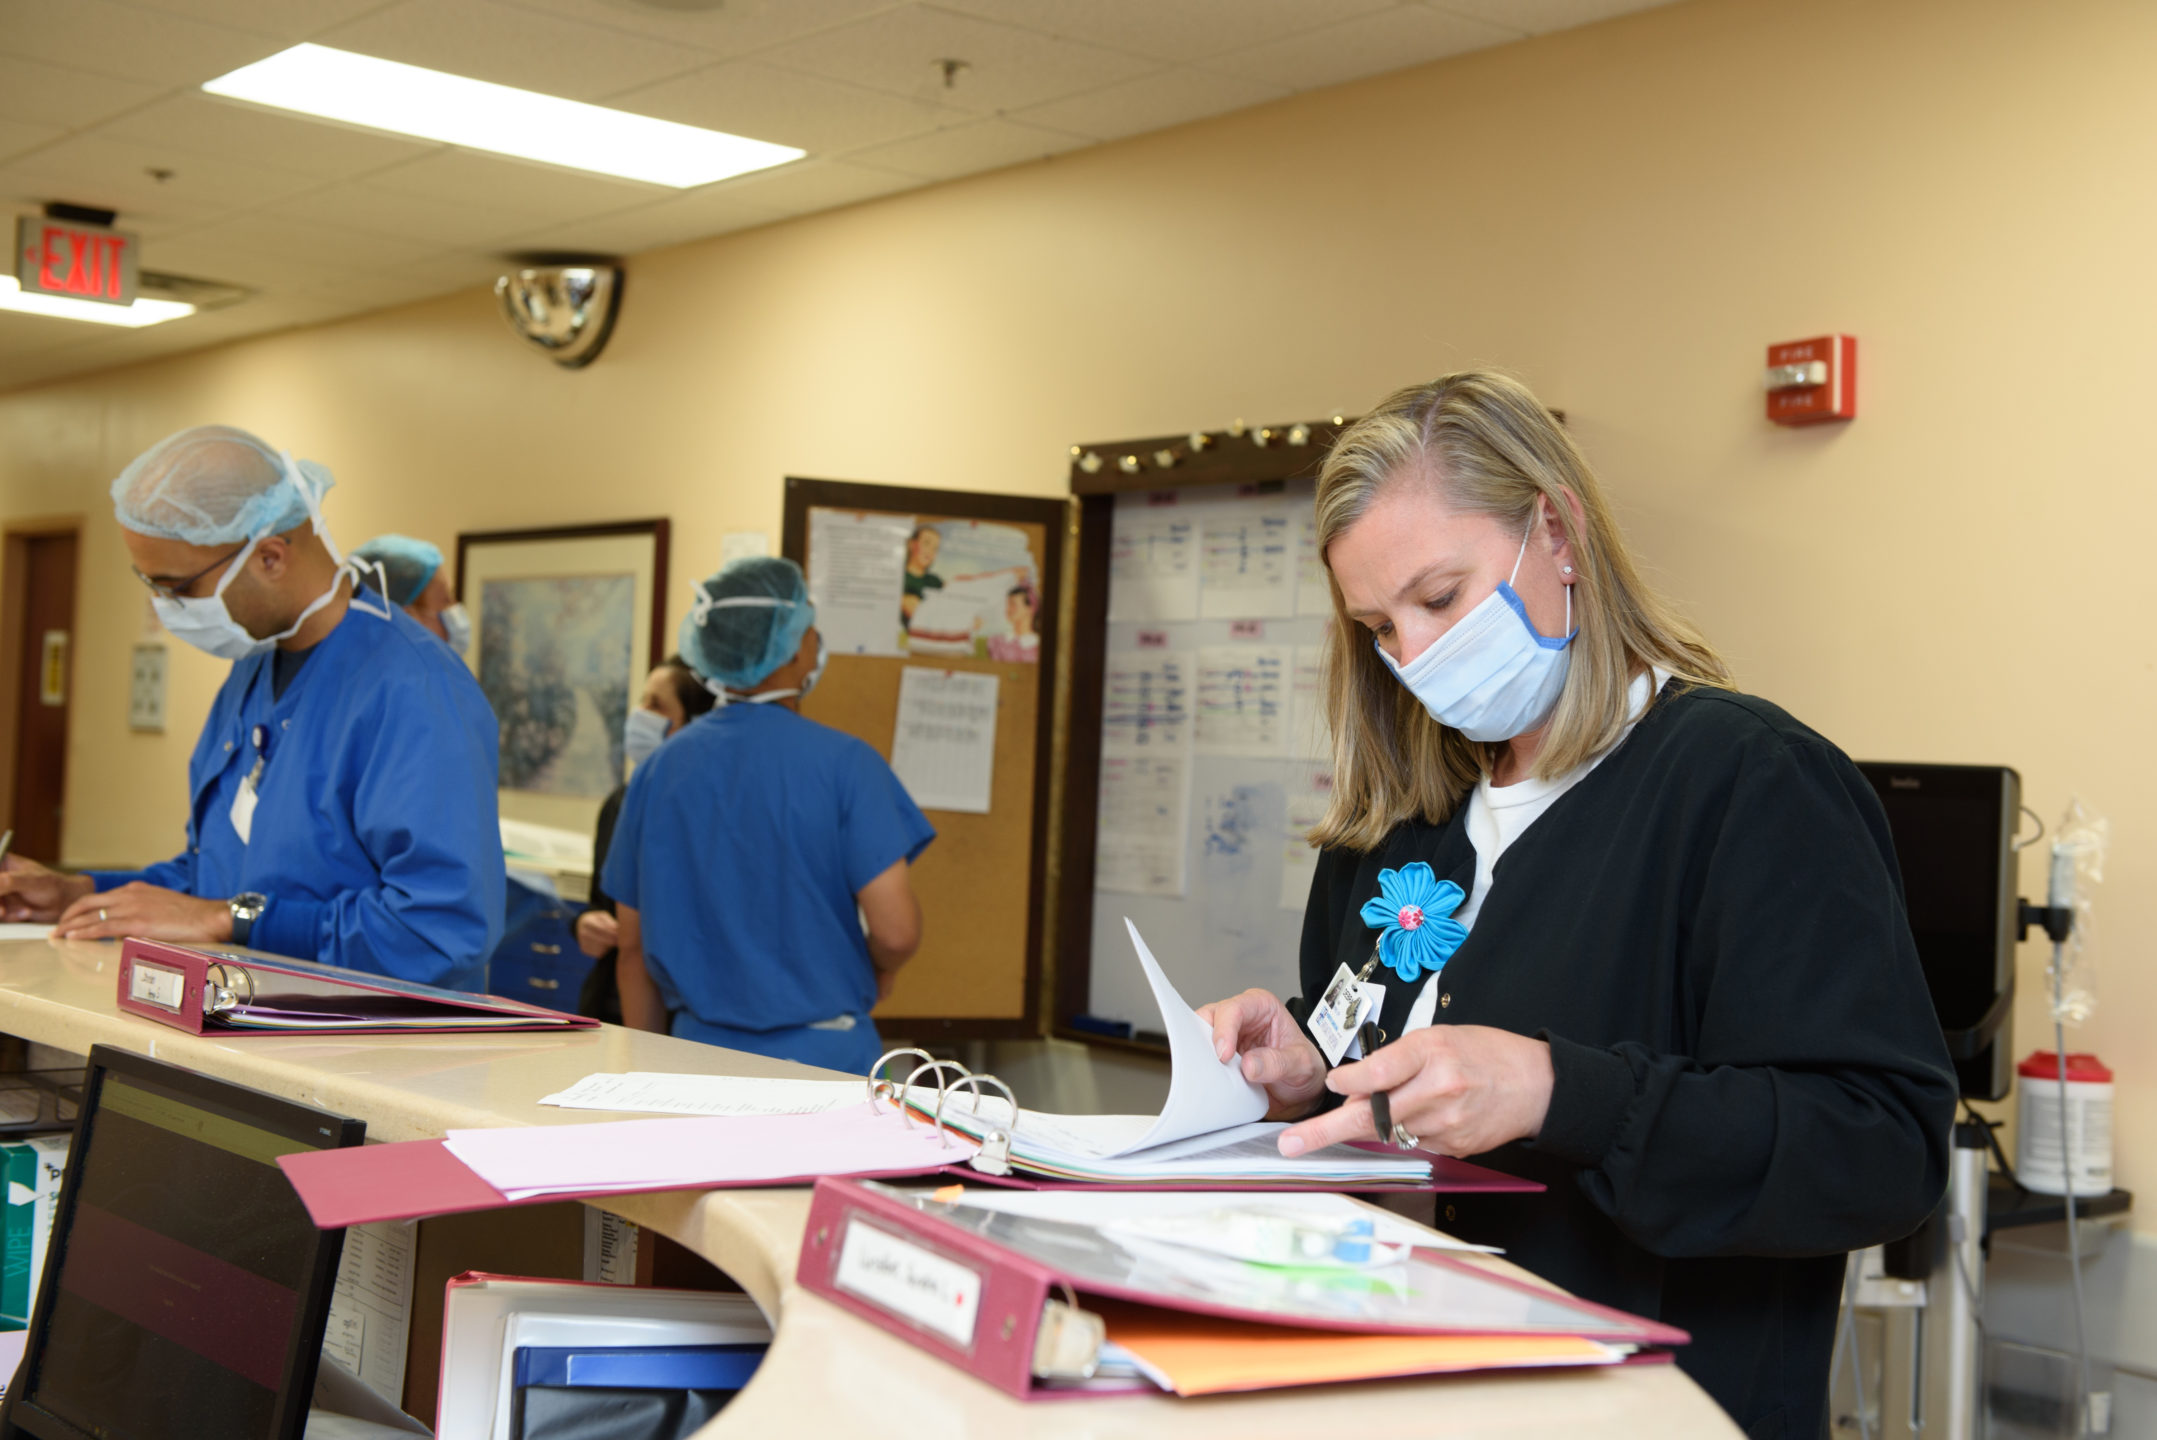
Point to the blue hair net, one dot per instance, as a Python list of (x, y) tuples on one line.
[(739, 644), (408, 564), (216, 485)]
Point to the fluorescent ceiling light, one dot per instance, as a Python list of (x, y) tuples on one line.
[(59, 307), (429, 105)]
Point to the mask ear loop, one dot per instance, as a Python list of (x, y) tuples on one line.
[(1527, 535)]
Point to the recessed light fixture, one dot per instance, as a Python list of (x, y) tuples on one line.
[(58, 307), (430, 105)]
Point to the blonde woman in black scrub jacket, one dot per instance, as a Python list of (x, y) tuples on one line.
[(1641, 936)]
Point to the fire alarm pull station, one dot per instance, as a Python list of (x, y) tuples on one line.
[(1812, 380)]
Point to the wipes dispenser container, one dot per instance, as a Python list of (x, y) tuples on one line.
[(2088, 1150)]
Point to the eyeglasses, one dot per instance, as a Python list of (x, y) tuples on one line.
[(177, 589)]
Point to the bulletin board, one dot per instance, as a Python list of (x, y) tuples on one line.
[(981, 612), (1197, 756)]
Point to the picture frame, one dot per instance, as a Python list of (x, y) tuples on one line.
[(566, 622)]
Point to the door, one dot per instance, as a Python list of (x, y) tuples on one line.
[(43, 690)]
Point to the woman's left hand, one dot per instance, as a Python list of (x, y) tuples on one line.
[(1459, 1089)]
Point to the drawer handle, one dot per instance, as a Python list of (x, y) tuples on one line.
[(539, 984), (538, 949)]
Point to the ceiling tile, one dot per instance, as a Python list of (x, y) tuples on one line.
[(42, 94), (518, 188), (113, 39), (898, 51), (965, 149), (808, 185), (510, 46), (1389, 40), (115, 174), (749, 97), (734, 27), (653, 227), (16, 137), (322, 246), (285, 19), (1182, 30), (1540, 17), (1151, 102), (205, 125), (220, 260), (425, 218)]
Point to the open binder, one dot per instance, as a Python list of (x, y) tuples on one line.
[(1017, 1299), (217, 992)]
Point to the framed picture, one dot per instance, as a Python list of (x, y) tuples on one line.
[(565, 624)]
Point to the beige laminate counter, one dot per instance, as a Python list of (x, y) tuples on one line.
[(828, 1373)]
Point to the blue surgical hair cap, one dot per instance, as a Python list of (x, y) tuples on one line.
[(739, 645), (407, 564), (216, 485)]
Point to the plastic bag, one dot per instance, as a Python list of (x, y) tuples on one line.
[(2078, 865)]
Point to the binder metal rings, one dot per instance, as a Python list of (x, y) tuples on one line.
[(220, 993), (994, 1156)]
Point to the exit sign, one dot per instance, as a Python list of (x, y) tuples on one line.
[(81, 262)]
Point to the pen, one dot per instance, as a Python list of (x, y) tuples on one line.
[(1381, 1106), (7, 843)]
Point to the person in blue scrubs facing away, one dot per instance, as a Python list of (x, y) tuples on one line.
[(755, 846), (343, 788), (409, 572)]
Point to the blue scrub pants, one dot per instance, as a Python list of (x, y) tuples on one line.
[(850, 1051)]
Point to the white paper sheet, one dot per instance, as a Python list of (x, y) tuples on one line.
[(39, 931), (1309, 738), (1105, 1207), (656, 1092), (1153, 565), (371, 1306), (1205, 1093), (1314, 596), (1146, 702), (1308, 796), (1243, 700), (1246, 564), (1144, 814), (944, 747), (857, 570)]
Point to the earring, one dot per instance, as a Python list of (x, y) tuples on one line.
[(1566, 570)]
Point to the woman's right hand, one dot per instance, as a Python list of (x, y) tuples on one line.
[(1276, 1052), (597, 933)]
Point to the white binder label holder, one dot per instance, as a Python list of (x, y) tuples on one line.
[(909, 1281)]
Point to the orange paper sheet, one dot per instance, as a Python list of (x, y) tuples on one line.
[(1203, 1355)]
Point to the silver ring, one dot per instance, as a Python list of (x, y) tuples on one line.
[(101, 915), (1403, 1139)]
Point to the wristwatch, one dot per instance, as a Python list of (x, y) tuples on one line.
[(247, 908)]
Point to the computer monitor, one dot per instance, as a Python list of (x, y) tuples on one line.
[(185, 1289), (1954, 829)]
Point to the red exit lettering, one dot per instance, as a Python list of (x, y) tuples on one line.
[(56, 258)]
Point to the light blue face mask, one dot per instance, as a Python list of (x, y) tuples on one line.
[(1491, 677), (642, 732)]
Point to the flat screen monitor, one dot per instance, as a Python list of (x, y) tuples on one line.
[(1954, 829), (185, 1290)]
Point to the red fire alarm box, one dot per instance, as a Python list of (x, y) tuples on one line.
[(1812, 380)]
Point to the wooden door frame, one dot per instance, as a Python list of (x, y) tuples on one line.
[(15, 538)]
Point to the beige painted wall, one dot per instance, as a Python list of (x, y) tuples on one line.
[(1626, 215)]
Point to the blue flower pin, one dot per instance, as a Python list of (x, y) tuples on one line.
[(1414, 910)]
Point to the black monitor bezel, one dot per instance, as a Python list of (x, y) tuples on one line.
[(21, 1415)]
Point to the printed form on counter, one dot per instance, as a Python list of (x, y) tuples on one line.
[(944, 748)]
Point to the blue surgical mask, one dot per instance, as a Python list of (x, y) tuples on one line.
[(642, 732), (1491, 676)]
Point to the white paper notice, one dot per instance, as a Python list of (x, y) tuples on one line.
[(857, 571), (1314, 596), (1145, 810), (944, 749), (1308, 796), (1205, 1093), (1146, 705), (1153, 565), (1246, 567), (656, 1092), (371, 1308), (1309, 738), (1243, 700)]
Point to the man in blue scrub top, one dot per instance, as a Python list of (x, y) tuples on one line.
[(755, 844), (343, 788)]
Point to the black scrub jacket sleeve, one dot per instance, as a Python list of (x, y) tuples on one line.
[(1814, 1060)]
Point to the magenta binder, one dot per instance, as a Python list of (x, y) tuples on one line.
[(215, 992), (982, 1305)]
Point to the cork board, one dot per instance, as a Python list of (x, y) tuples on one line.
[(982, 881)]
